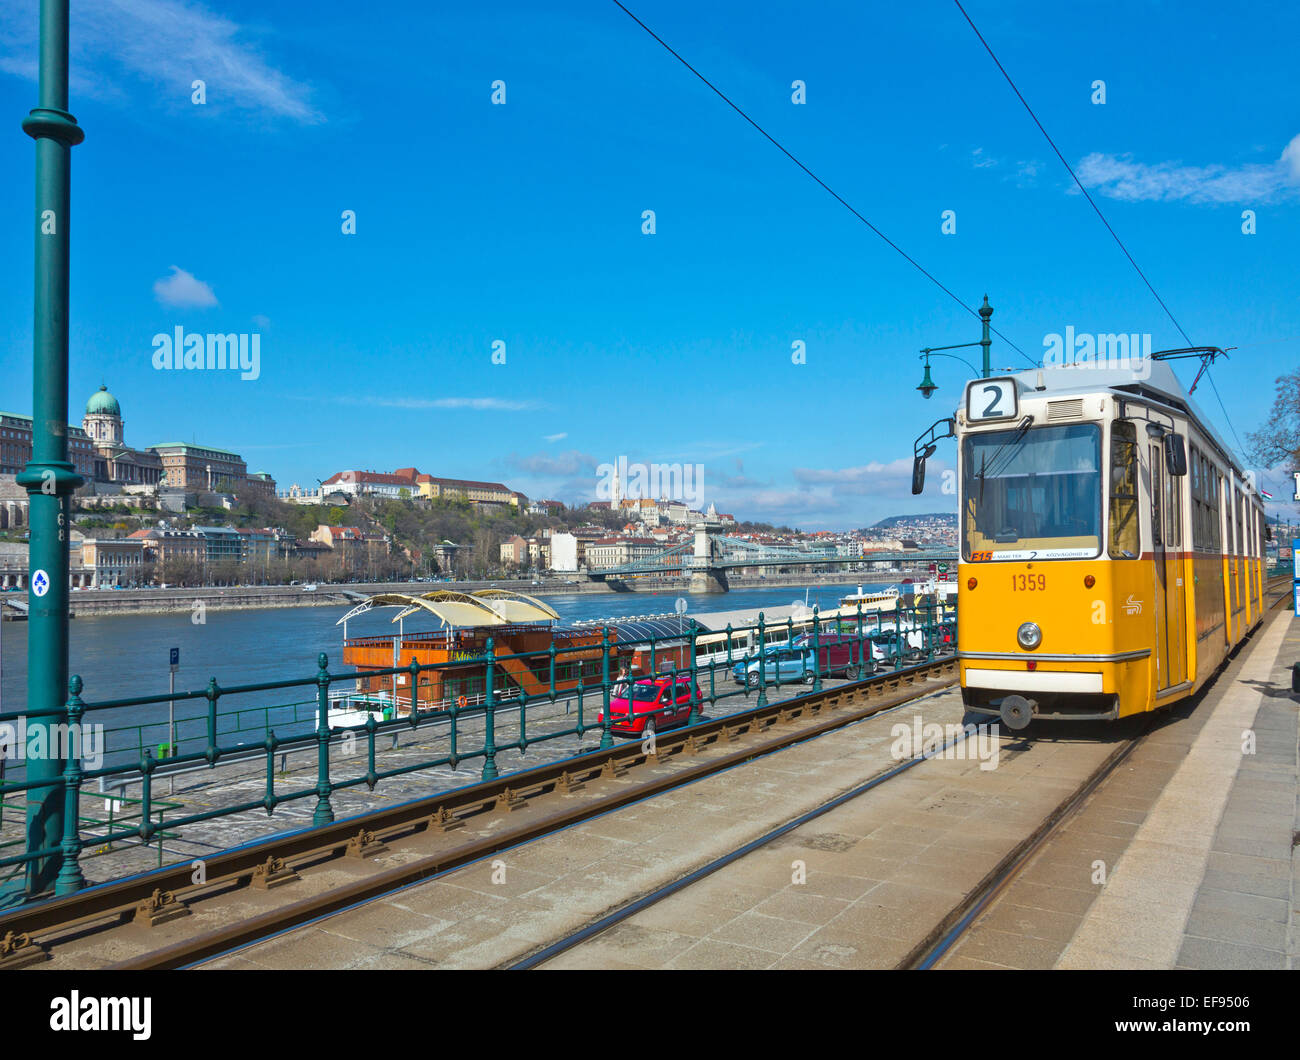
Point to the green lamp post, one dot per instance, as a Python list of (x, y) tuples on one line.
[(928, 385), (49, 477)]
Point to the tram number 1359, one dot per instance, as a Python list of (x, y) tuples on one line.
[(1022, 583)]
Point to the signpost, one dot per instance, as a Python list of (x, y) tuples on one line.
[(173, 664), (1295, 568)]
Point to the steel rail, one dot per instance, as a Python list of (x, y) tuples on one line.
[(597, 927)]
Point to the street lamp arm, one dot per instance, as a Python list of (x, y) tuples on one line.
[(958, 346), (952, 357)]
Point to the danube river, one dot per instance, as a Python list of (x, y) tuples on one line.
[(125, 655)]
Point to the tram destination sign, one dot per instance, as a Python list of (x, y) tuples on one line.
[(991, 399)]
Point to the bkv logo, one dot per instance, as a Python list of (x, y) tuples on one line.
[(1130, 353)]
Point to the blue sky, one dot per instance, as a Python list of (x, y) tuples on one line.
[(522, 223)]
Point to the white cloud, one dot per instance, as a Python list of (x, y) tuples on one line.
[(556, 437), (167, 43), (1120, 177), (981, 160), (183, 290), (874, 477), (1291, 156)]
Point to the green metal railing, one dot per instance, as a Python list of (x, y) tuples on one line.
[(729, 668)]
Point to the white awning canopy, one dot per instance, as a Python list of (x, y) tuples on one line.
[(488, 607)]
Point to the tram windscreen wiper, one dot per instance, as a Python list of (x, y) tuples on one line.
[(993, 467), (989, 465)]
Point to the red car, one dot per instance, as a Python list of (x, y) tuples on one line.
[(657, 703)]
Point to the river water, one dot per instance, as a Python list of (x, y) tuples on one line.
[(121, 656)]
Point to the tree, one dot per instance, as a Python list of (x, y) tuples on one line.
[(1278, 441)]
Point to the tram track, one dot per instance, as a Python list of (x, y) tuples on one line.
[(957, 924), (949, 930), (161, 897), (155, 898)]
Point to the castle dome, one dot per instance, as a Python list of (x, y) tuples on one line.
[(103, 403)]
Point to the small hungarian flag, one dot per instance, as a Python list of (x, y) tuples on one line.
[(1265, 493)]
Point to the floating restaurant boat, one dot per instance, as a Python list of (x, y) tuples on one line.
[(516, 624)]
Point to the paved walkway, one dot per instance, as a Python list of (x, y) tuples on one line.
[(1208, 879), (1247, 909)]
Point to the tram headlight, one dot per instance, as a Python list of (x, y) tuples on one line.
[(1029, 636)]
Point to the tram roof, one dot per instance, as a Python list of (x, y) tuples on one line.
[(1160, 384)]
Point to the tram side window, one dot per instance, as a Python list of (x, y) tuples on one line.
[(1242, 550), (1124, 542), (1205, 503)]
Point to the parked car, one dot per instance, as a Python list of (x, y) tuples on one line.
[(888, 643), (655, 703), (789, 663), (838, 654)]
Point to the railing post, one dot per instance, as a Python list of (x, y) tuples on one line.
[(146, 795), (212, 694), (694, 716), (607, 735), (762, 666), (270, 743), (70, 878), (489, 714), (817, 650), (324, 812), (523, 719), (870, 655), (415, 697), (452, 711)]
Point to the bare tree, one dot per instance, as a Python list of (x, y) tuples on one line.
[(1278, 441)]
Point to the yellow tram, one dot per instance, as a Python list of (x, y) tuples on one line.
[(1112, 550)]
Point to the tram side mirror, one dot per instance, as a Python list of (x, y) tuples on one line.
[(1175, 454), (918, 468)]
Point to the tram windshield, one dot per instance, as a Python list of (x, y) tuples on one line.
[(1032, 494)]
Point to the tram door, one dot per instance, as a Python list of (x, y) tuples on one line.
[(1167, 540)]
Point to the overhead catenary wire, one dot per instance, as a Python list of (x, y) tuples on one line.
[(1077, 181), (1097, 209), (826, 187)]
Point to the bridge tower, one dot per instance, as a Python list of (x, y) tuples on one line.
[(707, 573)]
